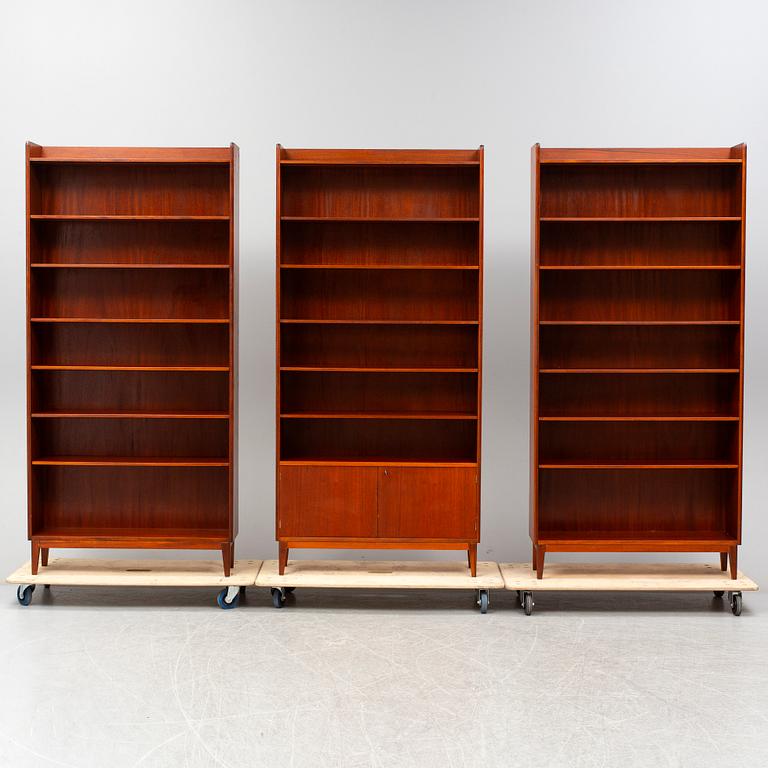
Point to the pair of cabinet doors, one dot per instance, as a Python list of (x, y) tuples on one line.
[(378, 502)]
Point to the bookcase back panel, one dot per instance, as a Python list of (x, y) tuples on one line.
[(132, 391), (372, 295), (689, 394), (173, 438), (130, 344), (130, 498), (378, 392), (129, 242), (636, 190), (384, 346), (380, 243), (640, 243), (378, 440), (637, 503), (130, 189), (640, 296), (126, 293), (637, 346), (652, 442), (380, 191)]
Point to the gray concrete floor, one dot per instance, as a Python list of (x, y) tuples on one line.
[(151, 678)]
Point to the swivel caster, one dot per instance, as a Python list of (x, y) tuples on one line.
[(483, 600), (228, 598), (718, 593), (278, 597), (24, 594), (527, 603), (736, 603)]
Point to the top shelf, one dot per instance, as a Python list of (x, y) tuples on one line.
[(337, 157), (116, 217), (635, 219), (643, 156), (160, 155)]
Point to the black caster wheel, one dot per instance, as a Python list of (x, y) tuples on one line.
[(527, 603), (278, 597), (227, 602), (24, 594), (718, 593), (289, 590), (483, 600), (736, 603)]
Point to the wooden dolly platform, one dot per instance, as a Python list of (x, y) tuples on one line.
[(625, 577), (382, 574), (138, 573)]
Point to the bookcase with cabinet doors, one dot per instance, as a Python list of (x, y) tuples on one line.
[(131, 332), (637, 350), (379, 339)]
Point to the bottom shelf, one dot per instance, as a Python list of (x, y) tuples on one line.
[(636, 541), (141, 538)]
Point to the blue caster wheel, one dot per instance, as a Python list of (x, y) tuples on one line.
[(24, 594), (483, 600), (278, 597), (226, 600)]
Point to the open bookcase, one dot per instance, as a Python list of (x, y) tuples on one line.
[(131, 348), (637, 350), (379, 335)]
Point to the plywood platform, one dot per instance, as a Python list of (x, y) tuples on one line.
[(621, 577), (138, 573), (380, 574)]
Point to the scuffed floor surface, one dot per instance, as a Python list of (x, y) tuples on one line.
[(114, 678)]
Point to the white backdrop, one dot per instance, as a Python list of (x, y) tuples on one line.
[(358, 73)]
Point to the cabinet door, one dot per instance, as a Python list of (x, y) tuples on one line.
[(327, 501), (425, 503)]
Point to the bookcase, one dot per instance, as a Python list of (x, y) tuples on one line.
[(637, 350), (131, 348), (379, 339)]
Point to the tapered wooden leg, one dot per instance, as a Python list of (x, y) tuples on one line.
[(533, 557), (35, 557), (232, 553), (282, 558), (733, 554), (723, 561), (226, 557), (540, 562), (44, 556), (472, 556)]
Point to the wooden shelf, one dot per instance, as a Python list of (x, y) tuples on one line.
[(641, 465), (382, 266), (387, 219), (131, 319), (119, 217), (127, 461), (638, 305), (128, 415), (62, 265), (156, 320), (439, 416), (379, 312), (638, 418)]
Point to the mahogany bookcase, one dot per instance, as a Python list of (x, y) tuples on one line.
[(132, 348), (637, 350), (379, 339)]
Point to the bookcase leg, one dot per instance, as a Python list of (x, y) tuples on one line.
[(282, 558), (472, 557), (723, 561), (226, 553), (541, 551), (533, 557), (44, 556), (232, 553), (35, 557), (733, 553)]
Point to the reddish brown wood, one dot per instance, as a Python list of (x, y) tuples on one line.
[(282, 560), (637, 351), (132, 262), (379, 332), (723, 561), (733, 554), (44, 556)]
